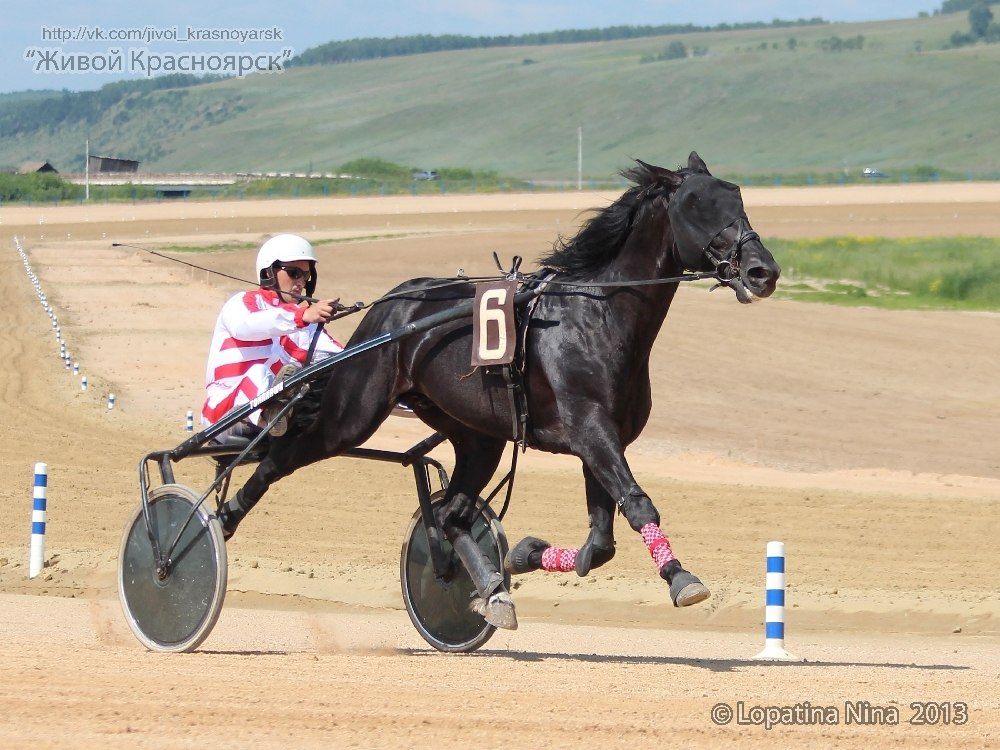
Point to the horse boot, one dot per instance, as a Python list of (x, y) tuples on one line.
[(493, 602), (685, 588), (597, 550), (526, 556), (231, 514)]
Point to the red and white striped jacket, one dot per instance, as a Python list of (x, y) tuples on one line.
[(255, 336)]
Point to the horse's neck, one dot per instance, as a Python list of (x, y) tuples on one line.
[(645, 255)]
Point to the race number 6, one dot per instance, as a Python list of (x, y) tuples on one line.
[(493, 324), (491, 312)]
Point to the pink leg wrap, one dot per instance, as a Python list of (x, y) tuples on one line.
[(657, 544), (556, 560)]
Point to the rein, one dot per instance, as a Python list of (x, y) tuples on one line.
[(727, 269)]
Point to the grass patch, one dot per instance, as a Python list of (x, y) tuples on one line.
[(947, 273)]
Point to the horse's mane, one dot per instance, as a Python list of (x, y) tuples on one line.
[(603, 235)]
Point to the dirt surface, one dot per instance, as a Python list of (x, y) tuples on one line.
[(864, 439)]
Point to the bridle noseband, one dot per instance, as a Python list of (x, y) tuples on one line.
[(727, 266)]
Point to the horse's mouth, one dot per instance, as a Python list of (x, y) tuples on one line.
[(754, 283), (743, 295)]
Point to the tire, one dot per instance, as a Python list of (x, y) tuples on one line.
[(440, 610), (177, 613)]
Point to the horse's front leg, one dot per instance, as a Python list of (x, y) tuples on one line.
[(604, 456), (532, 553)]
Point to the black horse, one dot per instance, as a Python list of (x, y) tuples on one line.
[(586, 381)]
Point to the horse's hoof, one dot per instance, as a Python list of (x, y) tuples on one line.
[(519, 560), (498, 611), (591, 556), (692, 594), (686, 589)]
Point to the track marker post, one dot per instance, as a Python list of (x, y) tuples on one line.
[(774, 607), (36, 553)]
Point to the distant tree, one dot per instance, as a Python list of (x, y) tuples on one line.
[(370, 48), (958, 6), (674, 51), (792, 43), (918, 46), (960, 39), (836, 44), (980, 18)]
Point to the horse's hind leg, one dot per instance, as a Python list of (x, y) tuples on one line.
[(352, 408), (476, 459), (532, 553)]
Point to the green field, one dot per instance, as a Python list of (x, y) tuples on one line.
[(944, 273), (751, 105)]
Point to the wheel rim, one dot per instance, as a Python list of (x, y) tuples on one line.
[(440, 610), (177, 612)]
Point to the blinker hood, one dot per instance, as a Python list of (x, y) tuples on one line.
[(701, 208)]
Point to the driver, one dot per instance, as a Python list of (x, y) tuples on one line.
[(264, 335)]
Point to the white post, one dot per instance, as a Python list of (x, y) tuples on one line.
[(579, 158), (36, 554), (111, 401), (86, 173), (83, 383), (774, 606)]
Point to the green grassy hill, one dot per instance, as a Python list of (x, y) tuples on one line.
[(516, 110)]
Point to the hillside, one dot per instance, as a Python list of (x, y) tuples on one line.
[(515, 110)]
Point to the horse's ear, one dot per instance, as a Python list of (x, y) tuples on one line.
[(664, 176), (696, 164)]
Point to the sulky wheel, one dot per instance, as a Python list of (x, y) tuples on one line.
[(440, 610), (179, 610)]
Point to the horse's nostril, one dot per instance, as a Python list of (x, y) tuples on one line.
[(759, 274)]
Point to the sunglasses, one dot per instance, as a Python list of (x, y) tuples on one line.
[(295, 273)]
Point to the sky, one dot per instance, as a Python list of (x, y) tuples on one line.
[(305, 24)]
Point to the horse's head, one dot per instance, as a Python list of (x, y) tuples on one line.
[(712, 232)]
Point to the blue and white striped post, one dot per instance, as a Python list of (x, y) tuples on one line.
[(36, 554), (83, 383), (76, 368), (111, 401), (774, 606), (189, 422)]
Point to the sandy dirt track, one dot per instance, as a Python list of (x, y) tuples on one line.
[(865, 439), (353, 679)]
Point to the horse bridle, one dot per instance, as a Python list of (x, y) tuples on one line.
[(727, 266)]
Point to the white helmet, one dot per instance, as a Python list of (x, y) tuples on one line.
[(283, 248)]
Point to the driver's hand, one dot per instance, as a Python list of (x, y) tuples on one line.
[(319, 312)]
